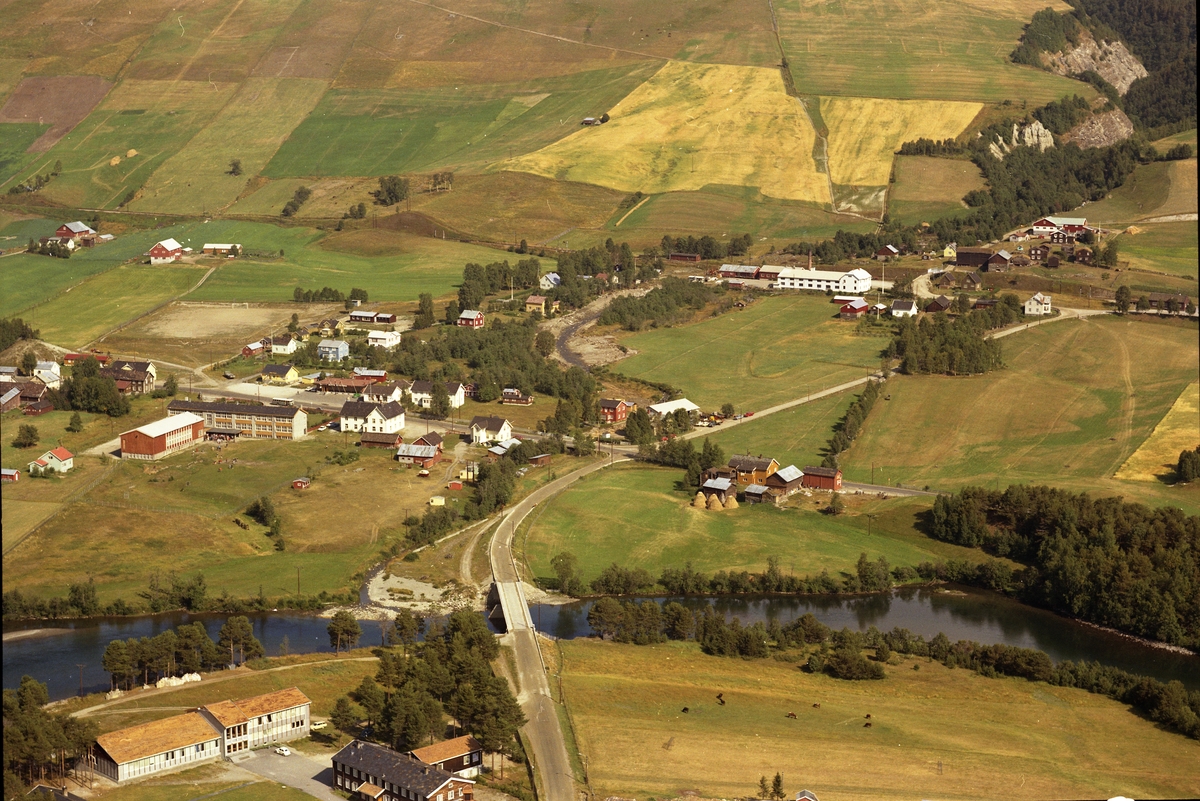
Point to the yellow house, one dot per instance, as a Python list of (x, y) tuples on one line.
[(279, 374), (950, 251)]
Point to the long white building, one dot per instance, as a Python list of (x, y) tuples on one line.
[(855, 282)]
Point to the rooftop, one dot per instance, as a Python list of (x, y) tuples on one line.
[(168, 424), (392, 766), (790, 473), (449, 749), (157, 736), (232, 408)]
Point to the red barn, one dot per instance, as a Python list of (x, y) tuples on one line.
[(854, 309), (74, 230), (70, 359), (165, 251), (825, 478), (163, 437)]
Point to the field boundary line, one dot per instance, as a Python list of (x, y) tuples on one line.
[(631, 211), (540, 33)]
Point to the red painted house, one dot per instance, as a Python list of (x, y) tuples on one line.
[(165, 251), (471, 319), (615, 411), (825, 478), (74, 230), (70, 359), (854, 309), (163, 437)]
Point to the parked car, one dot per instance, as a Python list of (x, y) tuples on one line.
[(228, 375), (323, 427), (318, 725), (283, 750)]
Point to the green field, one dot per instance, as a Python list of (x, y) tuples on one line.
[(1098, 396), (929, 188), (1163, 247), (794, 436), (913, 49), (395, 131), (27, 280), (774, 350), (15, 138), (1152, 190), (983, 733), (636, 517)]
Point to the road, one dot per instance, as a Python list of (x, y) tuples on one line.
[(543, 734)]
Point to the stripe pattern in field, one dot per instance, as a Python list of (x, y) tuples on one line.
[(691, 125), (1178, 431)]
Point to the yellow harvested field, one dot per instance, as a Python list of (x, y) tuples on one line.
[(1178, 431), (1181, 199), (866, 132), (691, 125)]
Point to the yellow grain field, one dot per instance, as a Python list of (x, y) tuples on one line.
[(865, 132), (692, 125), (1178, 431)]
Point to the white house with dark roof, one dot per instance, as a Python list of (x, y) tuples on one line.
[(904, 308), (374, 418), (550, 281), (485, 429)]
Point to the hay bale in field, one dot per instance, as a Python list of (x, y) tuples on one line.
[(698, 502), (130, 153), (731, 502), (714, 503), (114, 161)]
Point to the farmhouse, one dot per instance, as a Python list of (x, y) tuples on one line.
[(383, 339), (939, 304), (614, 411), (470, 319), (1162, 300), (538, 303), (887, 251), (432, 439), (373, 771), (950, 251), (971, 257), (252, 349), (221, 249), (279, 374), (74, 230), (245, 419), (374, 418), (1048, 225), (10, 398), (49, 373), (998, 262), (283, 346), (827, 478), (421, 455), (856, 281), (972, 281), (787, 481), (72, 358), (165, 252), (1037, 305), (385, 393), (462, 756), (485, 429), (515, 397), (746, 272), (1039, 252), (59, 460), (163, 437), (904, 308), (1082, 255), (944, 280), (129, 380), (549, 281), (854, 309), (670, 407), (421, 394), (333, 350), (752, 469)]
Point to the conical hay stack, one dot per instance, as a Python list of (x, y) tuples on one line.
[(731, 502), (698, 501), (714, 503), (114, 161), (130, 154)]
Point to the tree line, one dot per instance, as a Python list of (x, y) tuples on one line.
[(1103, 560), (40, 745), (14, 329), (840, 654), (846, 430), (940, 345), (673, 301), (185, 649), (707, 247), (327, 294)]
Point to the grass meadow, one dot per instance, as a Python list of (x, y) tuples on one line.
[(776, 349), (1074, 400), (625, 701), (909, 49), (637, 517), (1165, 248), (794, 436), (928, 188), (1178, 431), (208, 783), (1153, 190), (15, 139), (27, 280)]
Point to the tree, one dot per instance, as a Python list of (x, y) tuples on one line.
[(424, 316), (439, 400), (1187, 469), (638, 428), (777, 793), (727, 410), (1143, 304), (585, 444), (836, 504), (392, 189), (544, 342), (343, 716), (343, 628), (566, 567), (452, 312), (76, 424), (294, 323), (711, 455), (235, 167), (171, 385), (678, 620), (763, 790), (404, 630), (28, 363), (27, 436), (370, 696), (1123, 299), (606, 616), (237, 634)]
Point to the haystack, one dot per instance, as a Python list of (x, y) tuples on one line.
[(130, 154), (714, 503), (114, 161), (731, 502), (698, 502)]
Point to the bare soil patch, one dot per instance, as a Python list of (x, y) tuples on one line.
[(185, 320), (60, 101)]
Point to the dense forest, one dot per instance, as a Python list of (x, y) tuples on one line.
[(674, 301), (40, 744), (1102, 560), (958, 346), (14, 329)]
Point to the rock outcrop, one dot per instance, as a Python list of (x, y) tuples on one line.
[(1101, 130), (1110, 60), (1032, 135)]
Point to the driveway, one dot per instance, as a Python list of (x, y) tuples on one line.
[(305, 773)]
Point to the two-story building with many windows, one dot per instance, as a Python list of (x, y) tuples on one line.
[(252, 420), (367, 770)]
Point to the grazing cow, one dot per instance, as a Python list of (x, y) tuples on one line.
[(791, 715), (685, 710), (868, 716), (867, 725), (816, 706), (720, 700)]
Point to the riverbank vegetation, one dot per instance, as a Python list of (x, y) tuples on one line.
[(673, 301), (626, 703)]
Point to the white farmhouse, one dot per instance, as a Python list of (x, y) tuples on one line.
[(854, 282), (49, 373), (1038, 305), (384, 339), (373, 418)]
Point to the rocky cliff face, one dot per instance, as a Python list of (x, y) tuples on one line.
[(1032, 135), (1101, 130), (1110, 60)]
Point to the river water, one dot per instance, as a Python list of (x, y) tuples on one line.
[(53, 654)]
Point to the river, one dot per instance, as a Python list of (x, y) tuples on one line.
[(53, 650)]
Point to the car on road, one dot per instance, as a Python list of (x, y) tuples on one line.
[(283, 750)]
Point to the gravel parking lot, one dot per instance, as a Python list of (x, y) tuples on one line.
[(304, 773)]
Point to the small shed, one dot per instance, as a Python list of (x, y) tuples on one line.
[(721, 488), (757, 493), (825, 478), (437, 500), (541, 460), (301, 483), (9, 476), (455, 484)]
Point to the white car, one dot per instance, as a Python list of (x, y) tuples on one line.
[(318, 725), (283, 750)]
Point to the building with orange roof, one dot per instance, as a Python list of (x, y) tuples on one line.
[(264, 719), (462, 756)]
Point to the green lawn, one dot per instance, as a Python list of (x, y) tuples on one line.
[(382, 131), (793, 436), (15, 139), (626, 701), (1163, 247), (27, 280), (637, 517), (1144, 191), (774, 350)]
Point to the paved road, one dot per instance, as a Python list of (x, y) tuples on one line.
[(1065, 313), (543, 734), (302, 772), (902, 492)]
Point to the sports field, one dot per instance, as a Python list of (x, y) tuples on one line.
[(915, 49), (865, 132), (929, 188), (1097, 399), (625, 702), (1178, 431), (251, 127), (691, 125), (774, 350), (637, 517), (1162, 247)]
